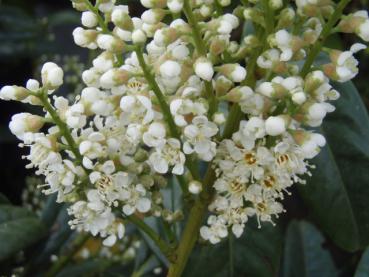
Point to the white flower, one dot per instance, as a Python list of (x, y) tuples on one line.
[(168, 155), (346, 64), (155, 135), (134, 198), (317, 112), (216, 231), (311, 146), (136, 109), (75, 117), (198, 138)]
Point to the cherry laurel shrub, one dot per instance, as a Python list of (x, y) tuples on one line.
[(172, 92)]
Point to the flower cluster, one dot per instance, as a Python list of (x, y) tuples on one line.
[(157, 100)]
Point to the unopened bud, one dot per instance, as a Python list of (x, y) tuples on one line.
[(110, 43), (234, 72), (275, 125), (52, 75), (89, 19), (13, 93), (195, 187), (204, 69), (153, 16), (114, 77)]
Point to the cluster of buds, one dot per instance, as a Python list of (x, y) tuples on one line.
[(154, 106)]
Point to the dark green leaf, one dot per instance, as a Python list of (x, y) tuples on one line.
[(338, 192), (85, 268), (363, 267), (19, 229), (256, 253), (304, 255), (4, 199)]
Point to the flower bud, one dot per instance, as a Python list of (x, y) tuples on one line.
[(299, 98), (310, 143), (356, 23), (33, 85), (204, 69), (154, 3), (222, 85), (121, 18), (13, 93), (238, 94), (114, 77), (110, 43), (25, 122), (52, 75), (170, 69), (286, 18), (275, 125), (276, 4), (234, 72), (219, 118), (165, 36), (153, 16), (89, 19), (224, 3), (85, 38), (195, 187), (175, 6), (218, 45), (138, 37)]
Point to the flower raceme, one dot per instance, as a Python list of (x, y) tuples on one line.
[(157, 100)]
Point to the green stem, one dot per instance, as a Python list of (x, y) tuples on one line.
[(62, 126), (164, 108), (198, 211), (165, 248), (201, 49), (68, 256), (191, 231), (323, 36)]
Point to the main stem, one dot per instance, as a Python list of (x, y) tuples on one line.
[(198, 211)]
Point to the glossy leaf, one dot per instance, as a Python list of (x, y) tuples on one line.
[(363, 266), (256, 253), (338, 192), (19, 229), (304, 254)]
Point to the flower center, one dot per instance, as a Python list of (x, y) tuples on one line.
[(237, 187), (283, 159), (269, 181), (250, 158)]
